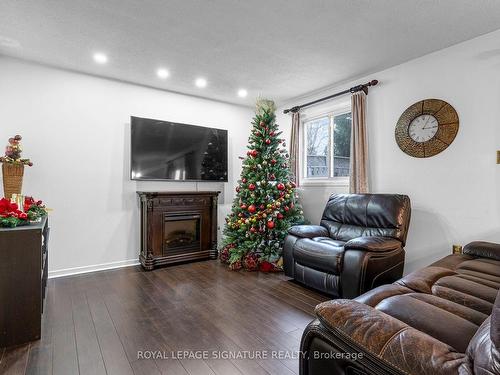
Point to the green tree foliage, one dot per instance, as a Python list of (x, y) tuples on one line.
[(265, 205)]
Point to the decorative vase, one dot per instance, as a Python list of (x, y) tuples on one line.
[(12, 179)]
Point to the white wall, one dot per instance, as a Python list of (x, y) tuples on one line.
[(76, 129), (456, 194)]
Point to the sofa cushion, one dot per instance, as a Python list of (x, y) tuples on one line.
[(348, 216), (448, 300), (321, 253), (444, 325)]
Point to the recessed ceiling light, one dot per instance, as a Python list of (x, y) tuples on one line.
[(100, 58), (200, 82), (242, 93), (162, 73)]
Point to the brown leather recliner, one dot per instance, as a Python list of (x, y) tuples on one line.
[(358, 245), (443, 319)]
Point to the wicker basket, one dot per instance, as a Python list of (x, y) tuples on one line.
[(12, 179)]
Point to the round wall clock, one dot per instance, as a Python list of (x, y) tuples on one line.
[(426, 128)]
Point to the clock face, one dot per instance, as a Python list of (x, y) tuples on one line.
[(426, 128), (423, 128)]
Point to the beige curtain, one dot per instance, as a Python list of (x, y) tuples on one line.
[(359, 145), (294, 147)]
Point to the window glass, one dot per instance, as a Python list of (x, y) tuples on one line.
[(318, 146), (341, 144)]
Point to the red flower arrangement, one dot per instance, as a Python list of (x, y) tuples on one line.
[(11, 216)]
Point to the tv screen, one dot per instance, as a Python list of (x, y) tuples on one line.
[(163, 150)]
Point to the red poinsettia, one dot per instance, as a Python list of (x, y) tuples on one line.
[(8, 209), (30, 202)]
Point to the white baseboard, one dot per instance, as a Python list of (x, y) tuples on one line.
[(93, 268)]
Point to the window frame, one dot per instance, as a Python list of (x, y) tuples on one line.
[(322, 181)]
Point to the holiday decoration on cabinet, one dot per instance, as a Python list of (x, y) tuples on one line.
[(13, 167), (266, 202)]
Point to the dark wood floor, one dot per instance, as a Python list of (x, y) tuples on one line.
[(96, 323)]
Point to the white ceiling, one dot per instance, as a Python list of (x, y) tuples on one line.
[(278, 48)]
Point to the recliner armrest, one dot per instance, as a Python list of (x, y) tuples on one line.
[(373, 244), (389, 339), (308, 231), (483, 249)]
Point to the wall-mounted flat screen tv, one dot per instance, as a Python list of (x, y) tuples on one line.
[(164, 150)]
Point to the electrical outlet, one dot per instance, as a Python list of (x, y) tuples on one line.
[(457, 249)]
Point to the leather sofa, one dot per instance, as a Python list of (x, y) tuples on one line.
[(358, 245), (442, 319)]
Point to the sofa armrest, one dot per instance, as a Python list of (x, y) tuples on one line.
[(483, 249), (382, 337), (308, 231), (373, 244)]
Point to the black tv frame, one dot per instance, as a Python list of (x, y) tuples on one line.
[(170, 179)]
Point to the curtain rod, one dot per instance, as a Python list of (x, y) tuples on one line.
[(353, 89)]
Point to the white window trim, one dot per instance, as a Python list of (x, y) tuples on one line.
[(320, 181)]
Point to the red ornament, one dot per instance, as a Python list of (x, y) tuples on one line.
[(243, 206), (265, 266), (280, 186), (254, 153), (237, 189), (279, 216), (251, 208), (270, 224), (272, 176), (272, 134), (268, 141), (282, 193), (287, 208), (244, 180), (251, 187), (273, 161), (262, 123), (262, 206), (253, 229)]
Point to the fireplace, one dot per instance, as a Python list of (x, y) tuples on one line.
[(177, 227), (181, 233)]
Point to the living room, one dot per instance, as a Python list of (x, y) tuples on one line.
[(371, 247)]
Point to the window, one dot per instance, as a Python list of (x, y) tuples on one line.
[(327, 141)]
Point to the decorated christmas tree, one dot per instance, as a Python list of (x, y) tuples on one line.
[(265, 205)]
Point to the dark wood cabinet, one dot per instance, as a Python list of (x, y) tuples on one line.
[(23, 280), (177, 227)]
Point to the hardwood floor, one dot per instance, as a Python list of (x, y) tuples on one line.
[(106, 322)]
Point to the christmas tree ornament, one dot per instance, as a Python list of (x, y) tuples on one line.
[(280, 186), (279, 216), (268, 141), (270, 224), (251, 209), (251, 187)]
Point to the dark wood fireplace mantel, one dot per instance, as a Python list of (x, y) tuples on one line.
[(177, 227)]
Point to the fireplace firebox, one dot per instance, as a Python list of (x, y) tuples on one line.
[(177, 227), (181, 233)]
